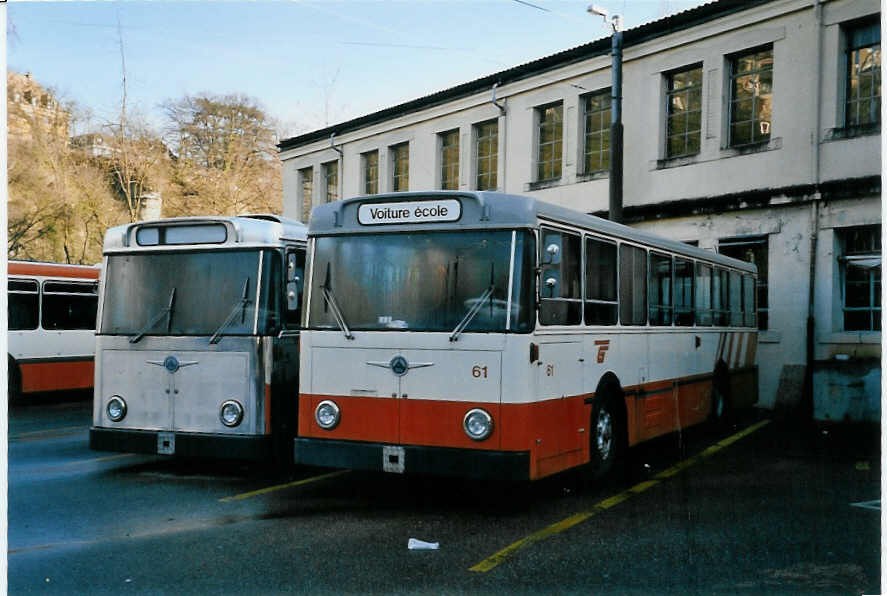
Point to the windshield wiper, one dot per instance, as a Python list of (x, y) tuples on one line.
[(479, 302), (240, 305), (330, 299), (167, 312)]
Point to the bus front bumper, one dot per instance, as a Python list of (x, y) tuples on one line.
[(414, 459), (252, 448)]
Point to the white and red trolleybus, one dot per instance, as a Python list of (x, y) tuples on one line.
[(52, 311), (197, 342), (488, 335)]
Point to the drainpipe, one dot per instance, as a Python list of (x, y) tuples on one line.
[(615, 211), (341, 165), (807, 405), (502, 152)]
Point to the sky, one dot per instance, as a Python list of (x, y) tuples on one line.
[(309, 64)]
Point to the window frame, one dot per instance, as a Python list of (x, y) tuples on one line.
[(448, 171), (370, 172), (573, 306), (24, 292), (400, 166), (492, 173), (762, 287), (330, 171), (586, 300), (849, 49), (603, 132), (672, 93), (306, 191), (733, 75), (556, 161), (847, 258)]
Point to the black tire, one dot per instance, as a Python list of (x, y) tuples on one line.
[(720, 401), (606, 436), (14, 381)]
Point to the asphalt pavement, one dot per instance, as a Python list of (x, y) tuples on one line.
[(765, 506)]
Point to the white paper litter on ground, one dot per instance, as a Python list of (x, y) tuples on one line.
[(414, 544)]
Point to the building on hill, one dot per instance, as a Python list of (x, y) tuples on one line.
[(32, 108)]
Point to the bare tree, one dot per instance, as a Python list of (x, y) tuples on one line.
[(226, 158)]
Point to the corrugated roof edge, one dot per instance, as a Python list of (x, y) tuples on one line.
[(664, 26)]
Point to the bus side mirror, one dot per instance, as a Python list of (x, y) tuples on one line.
[(293, 294), (551, 254)]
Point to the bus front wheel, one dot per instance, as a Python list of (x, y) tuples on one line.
[(14, 380)]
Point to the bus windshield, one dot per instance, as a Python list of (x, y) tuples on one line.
[(423, 281), (209, 293)]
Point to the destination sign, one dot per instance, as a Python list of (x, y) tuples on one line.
[(409, 212)]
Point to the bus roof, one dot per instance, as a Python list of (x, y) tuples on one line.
[(42, 269), (482, 209), (206, 232)]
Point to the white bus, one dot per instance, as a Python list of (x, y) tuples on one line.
[(52, 310), (487, 335), (198, 337)]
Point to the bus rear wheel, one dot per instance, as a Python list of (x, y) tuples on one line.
[(606, 437)]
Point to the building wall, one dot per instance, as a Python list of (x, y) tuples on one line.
[(776, 189)]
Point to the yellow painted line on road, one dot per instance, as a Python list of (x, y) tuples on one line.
[(495, 560), (263, 491), (49, 433)]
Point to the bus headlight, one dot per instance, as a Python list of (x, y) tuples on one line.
[(231, 413), (478, 424), (327, 414), (116, 408)]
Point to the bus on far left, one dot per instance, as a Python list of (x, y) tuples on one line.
[(52, 316)]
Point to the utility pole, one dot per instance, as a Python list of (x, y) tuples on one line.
[(615, 211)]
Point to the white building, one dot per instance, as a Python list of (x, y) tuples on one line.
[(751, 128)]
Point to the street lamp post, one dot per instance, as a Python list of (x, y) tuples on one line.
[(615, 212)]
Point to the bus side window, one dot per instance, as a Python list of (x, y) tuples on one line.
[(703, 295), (720, 293), (561, 293), (735, 299), (24, 304), (660, 289), (600, 282), (683, 292), (295, 273), (632, 285), (69, 305), (748, 301)]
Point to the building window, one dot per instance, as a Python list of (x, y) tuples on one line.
[(400, 167), (751, 97), (449, 160), (860, 268), (486, 150), (306, 183), (331, 181), (371, 172), (550, 132), (752, 250), (684, 107), (864, 75), (597, 132)]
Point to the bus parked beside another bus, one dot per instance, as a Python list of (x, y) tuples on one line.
[(198, 337), (487, 335), (52, 313)]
